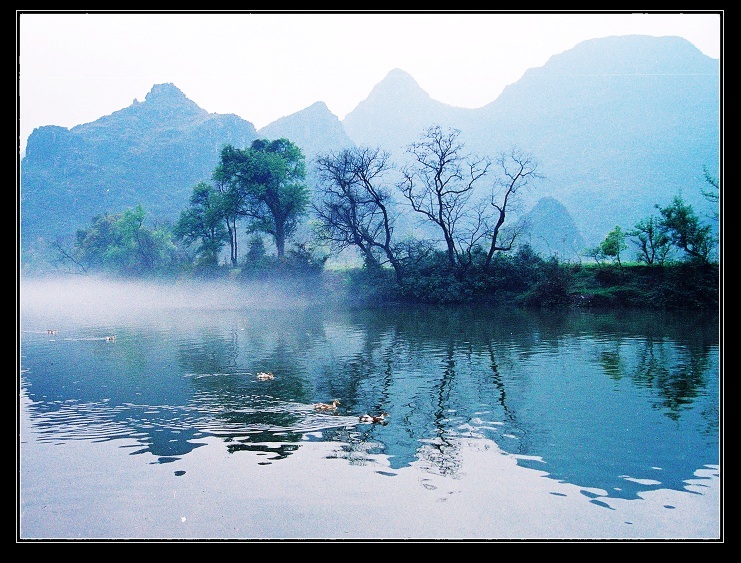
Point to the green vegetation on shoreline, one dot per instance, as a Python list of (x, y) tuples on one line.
[(472, 251), (546, 284), (523, 280)]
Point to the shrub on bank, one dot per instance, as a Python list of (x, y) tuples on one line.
[(547, 284)]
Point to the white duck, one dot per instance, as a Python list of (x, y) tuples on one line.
[(371, 419)]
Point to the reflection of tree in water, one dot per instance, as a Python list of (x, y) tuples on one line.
[(437, 400), (438, 372), (611, 364), (679, 387), (681, 382), (248, 414), (667, 352), (511, 425), (365, 385), (211, 353), (409, 367), (442, 373), (441, 451), (262, 446), (676, 373), (711, 415), (359, 444)]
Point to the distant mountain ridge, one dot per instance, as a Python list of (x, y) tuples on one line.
[(618, 125), (396, 112), (152, 152), (315, 129)]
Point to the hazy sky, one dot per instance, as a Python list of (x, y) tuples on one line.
[(77, 67)]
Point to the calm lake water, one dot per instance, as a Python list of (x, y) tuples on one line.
[(503, 423)]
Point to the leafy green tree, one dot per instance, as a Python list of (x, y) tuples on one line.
[(232, 184), (203, 224), (596, 253), (712, 194), (256, 251), (121, 244), (93, 243), (614, 244), (685, 231), (265, 185), (279, 196), (652, 241)]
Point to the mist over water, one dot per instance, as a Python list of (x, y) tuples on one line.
[(89, 297)]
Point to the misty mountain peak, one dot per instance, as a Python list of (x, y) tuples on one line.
[(167, 91), (315, 129), (631, 54), (398, 83), (169, 98), (319, 108), (400, 75), (314, 115), (397, 104)]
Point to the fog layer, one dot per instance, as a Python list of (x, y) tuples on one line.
[(85, 296)]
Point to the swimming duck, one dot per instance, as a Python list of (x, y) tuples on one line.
[(265, 375), (370, 419), (326, 407)]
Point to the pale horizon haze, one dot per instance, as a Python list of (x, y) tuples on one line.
[(75, 67)]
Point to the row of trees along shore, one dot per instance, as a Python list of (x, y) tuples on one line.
[(469, 251)]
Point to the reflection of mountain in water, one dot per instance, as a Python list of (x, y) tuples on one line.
[(623, 402)]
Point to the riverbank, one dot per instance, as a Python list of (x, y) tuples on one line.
[(682, 286), (676, 286)]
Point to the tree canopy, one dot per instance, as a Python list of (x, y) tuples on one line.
[(120, 243)]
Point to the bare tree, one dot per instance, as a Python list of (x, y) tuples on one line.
[(439, 184), (68, 258), (354, 208), (517, 170)]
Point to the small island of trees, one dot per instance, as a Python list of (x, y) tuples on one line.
[(439, 229)]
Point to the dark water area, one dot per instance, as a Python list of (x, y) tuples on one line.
[(618, 404)]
